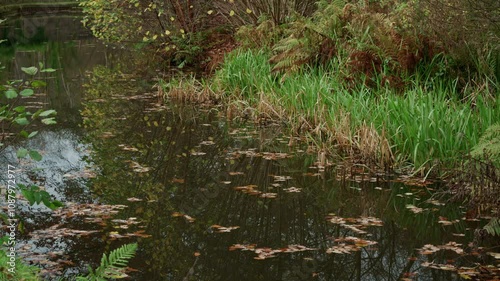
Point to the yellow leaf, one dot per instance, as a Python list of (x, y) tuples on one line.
[(172, 18), (249, 11), (182, 31), (167, 32), (145, 39), (231, 13), (155, 36), (210, 12)]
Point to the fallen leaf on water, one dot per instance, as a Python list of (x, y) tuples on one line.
[(222, 229), (139, 233), (342, 248), (188, 218), (268, 195), (452, 246), (414, 209), (243, 247), (447, 267), (428, 249), (266, 253), (292, 189), (274, 156), (281, 178), (209, 142), (495, 255), (445, 221), (435, 202), (176, 180), (136, 167), (127, 147), (357, 241)]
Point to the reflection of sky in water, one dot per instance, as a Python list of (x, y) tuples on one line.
[(59, 168)]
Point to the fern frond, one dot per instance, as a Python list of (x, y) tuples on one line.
[(112, 266), (493, 227)]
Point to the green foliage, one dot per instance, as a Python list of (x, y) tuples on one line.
[(112, 266), (22, 271), (489, 145), (175, 29), (35, 195), (107, 19), (425, 126), (265, 34), (305, 37), (15, 117)]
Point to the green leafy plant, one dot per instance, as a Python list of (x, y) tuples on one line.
[(16, 122), (489, 145), (22, 271), (113, 265), (15, 118), (36, 195), (493, 227)]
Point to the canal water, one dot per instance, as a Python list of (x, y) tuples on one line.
[(205, 198)]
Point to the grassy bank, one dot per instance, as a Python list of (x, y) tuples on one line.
[(421, 128)]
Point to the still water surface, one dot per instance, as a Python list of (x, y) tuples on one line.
[(206, 199)]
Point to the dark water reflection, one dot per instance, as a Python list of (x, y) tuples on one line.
[(168, 141), (189, 160)]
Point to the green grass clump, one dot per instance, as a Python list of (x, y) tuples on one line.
[(424, 125)]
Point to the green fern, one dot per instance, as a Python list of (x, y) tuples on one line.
[(493, 227), (305, 35), (112, 266), (488, 146)]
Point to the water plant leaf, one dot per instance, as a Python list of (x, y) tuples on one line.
[(48, 70), (27, 92), (30, 70), (38, 84), (10, 94)]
